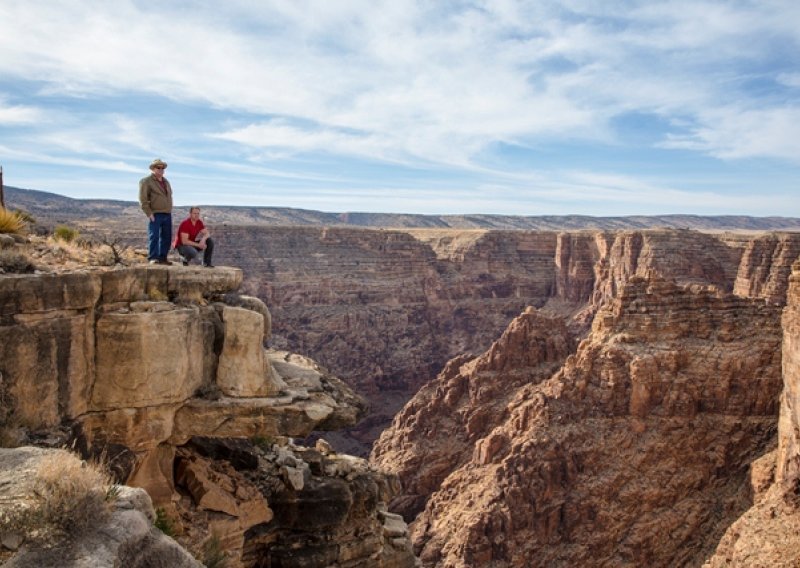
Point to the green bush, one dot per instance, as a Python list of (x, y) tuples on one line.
[(263, 442), (66, 234), (25, 216), (213, 555), (164, 523)]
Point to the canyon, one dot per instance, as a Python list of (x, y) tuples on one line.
[(386, 309), (533, 398)]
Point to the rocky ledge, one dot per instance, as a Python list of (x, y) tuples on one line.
[(132, 363)]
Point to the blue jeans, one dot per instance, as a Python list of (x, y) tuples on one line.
[(159, 233), (189, 253)]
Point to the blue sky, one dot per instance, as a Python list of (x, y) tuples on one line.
[(594, 107)]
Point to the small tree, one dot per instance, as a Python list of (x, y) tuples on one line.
[(114, 246)]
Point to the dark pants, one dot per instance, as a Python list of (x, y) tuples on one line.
[(189, 253), (159, 233)]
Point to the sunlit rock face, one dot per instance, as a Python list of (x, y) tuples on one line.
[(767, 534), (164, 373), (144, 358), (386, 309), (635, 452)]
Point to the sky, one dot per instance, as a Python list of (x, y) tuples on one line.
[(524, 107)]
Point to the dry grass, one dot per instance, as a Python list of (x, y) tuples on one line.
[(69, 495), (11, 222), (75, 492)]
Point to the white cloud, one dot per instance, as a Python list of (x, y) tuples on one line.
[(732, 133), (18, 114), (411, 83)]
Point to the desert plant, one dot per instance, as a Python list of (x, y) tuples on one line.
[(164, 523), (65, 233), (264, 442), (11, 222), (75, 492), (14, 262), (70, 494), (115, 249), (213, 555), (25, 216)]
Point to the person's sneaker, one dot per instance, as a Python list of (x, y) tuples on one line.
[(184, 262), (154, 261), (165, 262), (208, 265)]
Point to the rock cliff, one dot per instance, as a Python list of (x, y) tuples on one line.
[(136, 363), (386, 309), (634, 453), (767, 534)]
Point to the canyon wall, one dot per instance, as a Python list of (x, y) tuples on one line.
[(634, 453), (386, 309), (767, 534)]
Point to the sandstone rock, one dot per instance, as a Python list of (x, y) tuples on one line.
[(147, 358), (437, 432), (161, 283), (126, 538), (788, 460), (334, 518), (217, 487), (7, 241), (629, 455), (239, 452), (767, 534), (243, 369), (386, 311)]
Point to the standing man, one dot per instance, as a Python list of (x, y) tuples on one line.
[(155, 196), (193, 237)]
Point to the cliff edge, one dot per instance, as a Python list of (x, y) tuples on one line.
[(161, 372)]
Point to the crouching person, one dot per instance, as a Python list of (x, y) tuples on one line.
[(192, 238)]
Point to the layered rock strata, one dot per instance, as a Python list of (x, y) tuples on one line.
[(634, 453), (386, 309), (133, 363), (768, 534), (324, 509), (140, 358)]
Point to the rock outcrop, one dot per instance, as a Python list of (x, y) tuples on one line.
[(126, 537), (634, 453), (768, 534), (133, 363)]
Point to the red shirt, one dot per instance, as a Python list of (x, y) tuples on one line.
[(187, 227)]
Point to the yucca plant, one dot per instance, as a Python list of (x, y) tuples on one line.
[(11, 222)]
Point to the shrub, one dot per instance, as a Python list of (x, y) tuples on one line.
[(25, 216), (66, 234), (11, 222), (75, 493), (15, 262), (265, 442), (213, 555), (70, 495), (164, 523)]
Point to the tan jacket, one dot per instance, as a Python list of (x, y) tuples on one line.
[(154, 199)]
